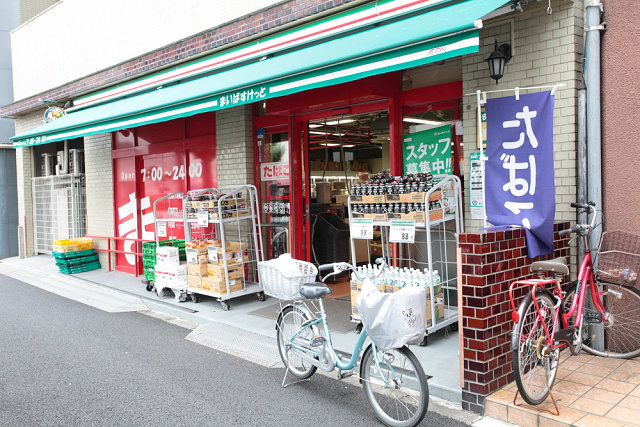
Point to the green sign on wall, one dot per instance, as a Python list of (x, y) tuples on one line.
[(428, 151)]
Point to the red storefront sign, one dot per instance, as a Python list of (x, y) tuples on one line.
[(165, 159)]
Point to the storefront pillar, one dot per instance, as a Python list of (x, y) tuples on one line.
[(395, 136), (491, 260)]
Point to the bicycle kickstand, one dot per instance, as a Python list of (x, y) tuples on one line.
[(284, 379), (524, 405)]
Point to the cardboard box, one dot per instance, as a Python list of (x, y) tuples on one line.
[(417, 216), (199, 270), (382, 198), (375, 217), (216, 271), (194, 282), (417, 197), (219, 286)]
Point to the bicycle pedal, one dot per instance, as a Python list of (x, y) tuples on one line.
[(342, 375), (592, 317), (317, 341)]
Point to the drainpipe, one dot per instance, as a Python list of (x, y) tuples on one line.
[(593, 26), (582, 160)]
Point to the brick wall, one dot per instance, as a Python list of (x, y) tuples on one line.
[(491, 260), (99, 183)]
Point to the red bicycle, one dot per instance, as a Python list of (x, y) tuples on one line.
[(599, 312)]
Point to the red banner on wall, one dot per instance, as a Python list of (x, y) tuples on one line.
[(140, 180)]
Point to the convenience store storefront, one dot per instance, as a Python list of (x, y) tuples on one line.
[(353, 62), (366, 68)]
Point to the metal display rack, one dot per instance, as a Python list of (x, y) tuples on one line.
[(435, 244), (234, 215)]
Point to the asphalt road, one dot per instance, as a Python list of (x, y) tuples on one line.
[(65, 363)]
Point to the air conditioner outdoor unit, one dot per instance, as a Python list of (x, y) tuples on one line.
[(76, 161), (60, 163), (47, 164)]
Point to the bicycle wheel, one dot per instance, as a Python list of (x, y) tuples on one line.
[(289, 323), (534, 363), (405, 398), (619, 336)]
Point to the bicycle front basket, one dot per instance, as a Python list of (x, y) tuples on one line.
[(619, 257), (277, 284)]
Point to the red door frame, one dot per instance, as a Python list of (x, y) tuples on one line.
[(362, 96)]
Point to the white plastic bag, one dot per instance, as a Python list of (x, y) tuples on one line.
[(392, 320)]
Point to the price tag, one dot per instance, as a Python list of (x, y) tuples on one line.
[(203, 218), (213, 254), (161, 229), (402, 231), (192, 256), (362, 228)]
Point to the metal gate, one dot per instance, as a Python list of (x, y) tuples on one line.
[(59, 209)]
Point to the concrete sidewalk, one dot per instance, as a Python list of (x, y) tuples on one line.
[(238, 331)]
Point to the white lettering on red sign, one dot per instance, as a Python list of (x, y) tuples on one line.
[(274, 171)]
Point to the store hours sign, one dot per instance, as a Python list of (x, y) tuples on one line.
[(428, 151)]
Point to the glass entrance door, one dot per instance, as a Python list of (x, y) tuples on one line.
[(274, 186)]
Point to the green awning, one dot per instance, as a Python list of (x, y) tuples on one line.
[(431, 36)]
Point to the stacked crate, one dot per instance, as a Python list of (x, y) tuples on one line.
[(149, 255), (75, 255)]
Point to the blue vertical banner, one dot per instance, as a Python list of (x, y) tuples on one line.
[(519, 185)]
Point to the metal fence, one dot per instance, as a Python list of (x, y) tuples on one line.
[(60, 209)]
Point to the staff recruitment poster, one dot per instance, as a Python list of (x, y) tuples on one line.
[(428, 151), (519, 170)]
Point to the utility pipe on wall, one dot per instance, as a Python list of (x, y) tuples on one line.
[(593, 26)]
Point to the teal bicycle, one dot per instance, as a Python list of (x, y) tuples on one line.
[(394, 382)]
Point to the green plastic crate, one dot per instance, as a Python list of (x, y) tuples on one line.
[(80, 268), (77, 260), (75, 254)]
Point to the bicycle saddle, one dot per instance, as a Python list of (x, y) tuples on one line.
[(315, 290), (556, 265)]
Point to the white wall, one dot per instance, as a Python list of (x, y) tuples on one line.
[(76, 38)]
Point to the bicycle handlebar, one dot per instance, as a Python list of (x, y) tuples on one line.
[(339, 267), (583, 229)]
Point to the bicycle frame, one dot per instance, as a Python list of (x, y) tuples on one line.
[(327, 349), (585, 274)]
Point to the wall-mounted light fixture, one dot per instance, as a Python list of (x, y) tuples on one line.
[(500, 56)]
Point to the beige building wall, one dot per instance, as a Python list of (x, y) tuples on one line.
[(99, 183), (24, 171), (546, 51)]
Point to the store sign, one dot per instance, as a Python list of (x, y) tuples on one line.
[(520, 187), (274, 171), (428, 151), (402, 231)]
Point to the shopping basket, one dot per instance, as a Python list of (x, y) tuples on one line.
[(619, 257), (287, 287)]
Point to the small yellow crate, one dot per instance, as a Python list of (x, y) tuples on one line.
[(67, 245), (85, 243)]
